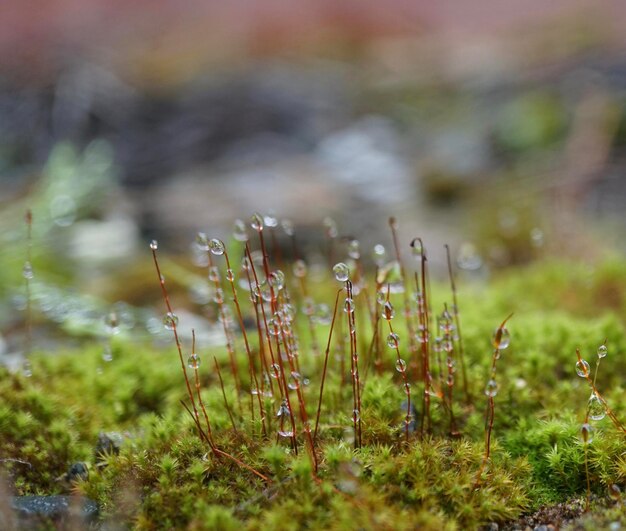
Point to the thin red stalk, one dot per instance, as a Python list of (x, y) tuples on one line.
[(423, 319), (354, 365), (197, 382), (153, 247), (457, 323), (222, 453), (230, 413), (230, 342), (407, 387), (490, 414), (393, 225), (246, 343), (326, 354)]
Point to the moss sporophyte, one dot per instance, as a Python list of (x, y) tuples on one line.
[(344, 395)]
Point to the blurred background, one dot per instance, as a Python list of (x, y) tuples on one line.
[(493, 125)]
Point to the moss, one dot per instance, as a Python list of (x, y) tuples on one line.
[(165, 476)]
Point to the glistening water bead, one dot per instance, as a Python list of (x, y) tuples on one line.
[(217, 247), (582, 368), (501, 338), (193, 361), (595, 407), (602, 351), (341, 271), (586, 433), (400, 365), (393, 340), (154, 245), (256, 222), (170, 320), (491, 389), (388, 311)]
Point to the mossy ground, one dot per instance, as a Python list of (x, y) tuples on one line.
[(165, 477)]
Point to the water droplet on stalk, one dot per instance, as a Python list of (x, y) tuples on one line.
[(379, 254), (299, 268), (111, 323), (287, 226), (217, 247), (348, 306), (501, 338), (491, 389), (154, 245), (202, 241), (586, 433), (170, 320), (354, 249), (356, 415), (341, 271), (595, 407), (393, 340), (27, 271), (256, 222), (388, 311), (400, 365), (193, 361), (239, 231), (602, 351), (582, 368), (277, 279)]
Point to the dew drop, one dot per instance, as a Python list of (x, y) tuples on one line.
[(256, 222), (348, 306), (356, 415), (595, 407), (218, 296), (602, 351), (491, 389), (275, 370), (239, 231), (379, 254), (230, 275), (111, 323), (582, 368), (193, 361), (270, 220), (217, 247), (388, 311), (294, 382), (27, 369), (154, 245), (468, 258), (287, 226), (170, 320), (299, 268), (107, 354), (202, 242), (400, 365), (381, 297), (354, 249), (501, 338), (27, 271), (392, 340), (331, 227), (285, 433), (341, 271), (586, 433), (277, 279)]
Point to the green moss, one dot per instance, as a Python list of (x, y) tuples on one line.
[(166, 477)]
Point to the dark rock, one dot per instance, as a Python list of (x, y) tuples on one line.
[(107, 444), (77, 471), (33, 510)]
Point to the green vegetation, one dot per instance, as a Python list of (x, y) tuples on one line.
[(374, 461)]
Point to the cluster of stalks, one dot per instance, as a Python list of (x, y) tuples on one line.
[(597, 408), (273, 377)]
